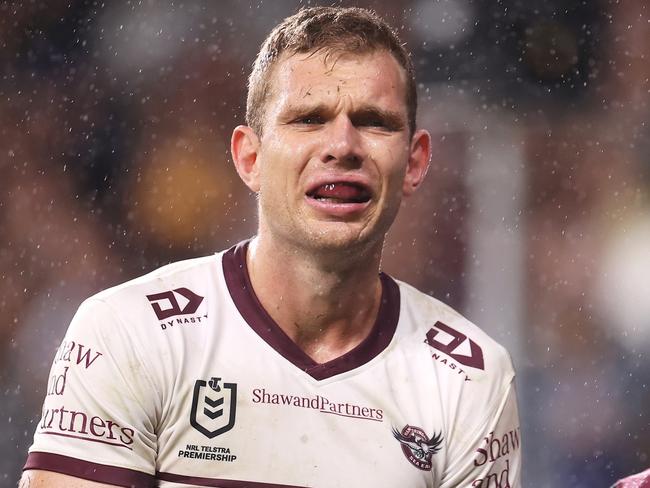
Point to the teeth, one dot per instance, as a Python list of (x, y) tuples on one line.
[(327, 193), (334, 200)]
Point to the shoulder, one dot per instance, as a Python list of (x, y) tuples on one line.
[(138, 306), (174, 275), (452, 339), (178, 288)]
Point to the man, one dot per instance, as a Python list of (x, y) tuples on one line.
[(639, 480), (289, 360)]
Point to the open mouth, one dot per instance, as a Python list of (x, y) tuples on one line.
[(341, 192)]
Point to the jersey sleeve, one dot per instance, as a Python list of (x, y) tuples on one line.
[(99, 415), (489, 454)]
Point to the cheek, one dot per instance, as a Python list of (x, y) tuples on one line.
[(395, 168), (394, 181), (390, 156), (285, 156), (272, 162), (276, 182)]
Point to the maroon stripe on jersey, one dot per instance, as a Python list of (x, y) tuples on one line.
[(220, 483), (79, 468), (249, 306)]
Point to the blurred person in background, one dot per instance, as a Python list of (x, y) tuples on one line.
[(204, 371)]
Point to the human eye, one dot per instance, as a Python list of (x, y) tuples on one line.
[(375, 120), (368, 121), (309, 119)]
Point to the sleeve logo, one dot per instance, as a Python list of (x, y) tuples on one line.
[(213, 408), (417, 447), (450, 348), (168, 300)]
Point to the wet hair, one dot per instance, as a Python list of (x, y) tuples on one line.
[(332, 30)]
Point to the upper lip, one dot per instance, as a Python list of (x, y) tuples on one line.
[(350, 179)]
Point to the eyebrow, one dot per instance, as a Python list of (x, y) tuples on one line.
[(392, 119)]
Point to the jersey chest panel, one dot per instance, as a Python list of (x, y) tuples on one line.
[(241, 411), (180, 379)]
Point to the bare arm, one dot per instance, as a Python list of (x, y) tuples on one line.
[(35, 478)]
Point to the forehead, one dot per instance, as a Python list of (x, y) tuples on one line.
[(373, 78)]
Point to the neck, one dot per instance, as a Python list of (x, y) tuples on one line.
[(326, 304)]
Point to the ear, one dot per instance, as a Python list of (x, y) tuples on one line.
[(244, 146), (419, 157)]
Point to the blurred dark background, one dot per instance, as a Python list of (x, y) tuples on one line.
[(115, 119)]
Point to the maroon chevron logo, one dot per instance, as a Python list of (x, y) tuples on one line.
[(166, 304), (450, 348)]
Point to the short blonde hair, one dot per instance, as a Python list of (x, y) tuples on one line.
[(332, 29)]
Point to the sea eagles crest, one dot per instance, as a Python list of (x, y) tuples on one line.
[(417, 447), (213, 408)]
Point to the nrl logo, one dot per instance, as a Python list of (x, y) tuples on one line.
[(213, 408), (417, 447)]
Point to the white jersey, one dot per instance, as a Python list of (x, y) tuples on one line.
[(180, 378)]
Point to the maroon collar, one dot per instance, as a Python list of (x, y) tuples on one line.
[(249, 306)]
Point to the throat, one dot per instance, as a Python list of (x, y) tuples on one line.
[(322, 351), (325, 312), (325, 340)]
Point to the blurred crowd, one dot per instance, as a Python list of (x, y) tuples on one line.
[(115, 119)]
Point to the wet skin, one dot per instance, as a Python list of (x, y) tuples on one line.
[(336, 154)]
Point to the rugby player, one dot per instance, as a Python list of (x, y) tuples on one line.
[(290, 360)]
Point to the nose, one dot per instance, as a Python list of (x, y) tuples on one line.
[(342, 142)]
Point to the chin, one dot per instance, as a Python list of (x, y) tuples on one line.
[(322, 236), (342, 238)]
